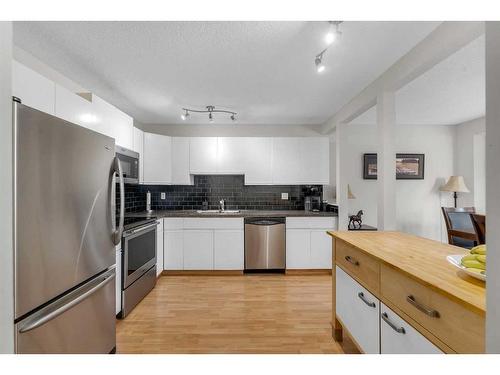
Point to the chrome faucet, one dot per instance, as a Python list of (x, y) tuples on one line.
[(222, 204)]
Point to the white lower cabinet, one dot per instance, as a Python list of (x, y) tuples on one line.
[(228, 250), (173, 250), (359, 312), (159, 247), (298, 248), (398, 337), (321, 249), (308, 246), (199, 249), (203, 244)]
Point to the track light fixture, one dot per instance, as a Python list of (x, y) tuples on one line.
[(210, 110), (333, 34)]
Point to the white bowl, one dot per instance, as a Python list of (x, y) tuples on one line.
[(456, 260)]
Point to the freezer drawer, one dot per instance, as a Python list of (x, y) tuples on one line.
[(82, 321)]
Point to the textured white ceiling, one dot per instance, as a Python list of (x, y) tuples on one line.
[(452, 92), (262, 70)]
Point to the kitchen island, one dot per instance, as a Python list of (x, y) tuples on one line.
[(396, 293)]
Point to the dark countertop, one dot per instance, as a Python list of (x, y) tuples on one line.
[(242, 213)]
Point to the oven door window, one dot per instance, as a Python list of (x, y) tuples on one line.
[(130, 166), (141, 250)]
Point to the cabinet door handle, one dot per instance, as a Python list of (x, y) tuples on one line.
[(427, 311), (361, 295), (386, 319), (351, 260)]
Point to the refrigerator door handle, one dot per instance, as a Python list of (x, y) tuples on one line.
[(117, 233), (45, 318)]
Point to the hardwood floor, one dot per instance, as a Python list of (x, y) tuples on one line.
[(233, 314)]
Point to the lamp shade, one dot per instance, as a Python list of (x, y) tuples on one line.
[(350, 195), (455, 184)]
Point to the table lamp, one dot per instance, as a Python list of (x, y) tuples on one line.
[(455, 184)]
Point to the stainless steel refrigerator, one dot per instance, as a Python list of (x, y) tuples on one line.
[(65, 235)]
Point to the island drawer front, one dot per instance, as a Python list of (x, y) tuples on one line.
[(398, 337), (360, 266), (359, 311), (456, 326)]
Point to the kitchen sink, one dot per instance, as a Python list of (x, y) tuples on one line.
[(218, 212)]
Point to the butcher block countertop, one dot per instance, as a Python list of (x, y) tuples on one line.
[(423, 260)]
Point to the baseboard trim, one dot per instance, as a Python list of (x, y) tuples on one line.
[(202, 273), (303, 272), (309, 272)]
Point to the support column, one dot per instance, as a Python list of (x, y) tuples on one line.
[(6, 226), (492, 184), (341, 144), (386, 162)]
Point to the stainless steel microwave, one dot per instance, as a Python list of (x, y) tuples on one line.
[(129, 161)]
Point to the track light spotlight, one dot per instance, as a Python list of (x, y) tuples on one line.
[(319, 63), (184, 116), (210, 117), (333, 33), (233, 118)]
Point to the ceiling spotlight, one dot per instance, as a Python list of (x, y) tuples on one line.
[(184, 116), (319, 62), (334, 33)]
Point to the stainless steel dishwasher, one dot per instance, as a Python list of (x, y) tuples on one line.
[(265, 244)]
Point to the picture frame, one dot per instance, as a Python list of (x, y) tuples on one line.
[(408, 166)]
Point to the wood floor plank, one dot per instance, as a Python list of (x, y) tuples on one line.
[(233, 314)]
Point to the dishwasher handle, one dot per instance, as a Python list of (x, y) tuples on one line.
[(265, 221)]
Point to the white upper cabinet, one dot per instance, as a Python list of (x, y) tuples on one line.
[(258, 165), (157, 159), (203, 155), (138, 146), (73, 108), (287, 163), (180, 161), (233, 154), (314, 160), (33, 89), (117, 124)]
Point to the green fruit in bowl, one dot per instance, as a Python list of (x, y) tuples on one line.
[(477, 270), (473, 264), (480, 249)]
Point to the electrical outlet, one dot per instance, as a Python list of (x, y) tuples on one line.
[(162, 196), (284, 196)]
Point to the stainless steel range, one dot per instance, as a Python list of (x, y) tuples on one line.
[(138, 275)]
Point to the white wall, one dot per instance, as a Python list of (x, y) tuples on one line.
[(6, 246), (464, 157), (418, 202), (492, 184)]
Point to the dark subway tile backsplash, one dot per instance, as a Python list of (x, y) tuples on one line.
[(213, 188)]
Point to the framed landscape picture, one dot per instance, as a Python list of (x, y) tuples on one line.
[(408, 166)]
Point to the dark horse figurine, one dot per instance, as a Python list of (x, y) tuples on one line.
[(353, 219)]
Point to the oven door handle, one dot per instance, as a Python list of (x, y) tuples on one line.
[(141, 229)]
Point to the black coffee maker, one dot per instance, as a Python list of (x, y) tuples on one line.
[(312, 199)]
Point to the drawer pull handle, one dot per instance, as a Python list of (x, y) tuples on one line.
[(351, 260), (386, 319), (361, 295), (432, 313)]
